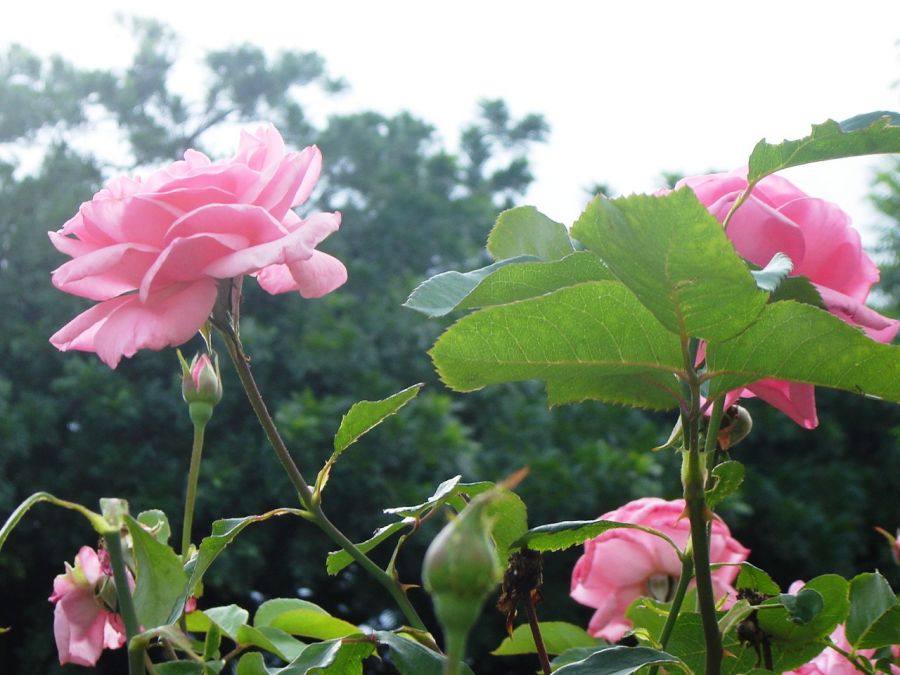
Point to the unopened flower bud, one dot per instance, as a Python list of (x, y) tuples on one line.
[(736, 426), (201, 385), (461, 568)]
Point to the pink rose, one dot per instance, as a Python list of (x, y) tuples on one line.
[(83, 623), (153, 250), (622, 565), (821, 242)]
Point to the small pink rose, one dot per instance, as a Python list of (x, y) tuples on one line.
[(823, 246), (621, 565), (83, 624), (152, 251)]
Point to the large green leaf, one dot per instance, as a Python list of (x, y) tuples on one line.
[(801, 343), (160, 578), (558, 636), (360, 419), (505, 281), (872, 601), (868, 134), (754, 579), (622, 661), (593, 340), (676, 259), (560, 536), (526, 231)]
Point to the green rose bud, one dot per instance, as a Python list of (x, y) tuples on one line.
[(461, 568)]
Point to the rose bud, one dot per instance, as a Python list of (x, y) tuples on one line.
[(461, 568), (201, 385)]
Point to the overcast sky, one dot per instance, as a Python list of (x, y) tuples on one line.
[(629, 89)]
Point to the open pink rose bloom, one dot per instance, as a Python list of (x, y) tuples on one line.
[(152, 251), (820, 241), (83, 624), (621, 565)]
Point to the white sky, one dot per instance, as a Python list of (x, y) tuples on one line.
[(629, 89)]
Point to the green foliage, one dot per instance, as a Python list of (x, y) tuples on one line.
[(622, 661), (160, 578), (526, 231), (594, 340), (560, 536), (777, 622), (411, 657), (874, 618), (804, 344), (656, 245), (729, 476), (868, 134)]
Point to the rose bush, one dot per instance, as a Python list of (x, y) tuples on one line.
[(152, 251), (83, 621), (823, 246), (621, 565)]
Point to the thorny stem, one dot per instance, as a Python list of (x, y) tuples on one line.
[(126, 605), (536, 632), (687, 572), (314, 510), (694, 482)]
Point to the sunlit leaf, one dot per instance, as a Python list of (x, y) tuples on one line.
[(868, 134), (558, 636), (800, 343), (526, 231), (594, 340), (729, 476), (675, 257), (300, 617)]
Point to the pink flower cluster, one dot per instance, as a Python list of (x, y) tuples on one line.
[(84, 623), (153, 251), (820, 241), (621, 565)]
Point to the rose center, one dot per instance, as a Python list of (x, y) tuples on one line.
[(661, 587)]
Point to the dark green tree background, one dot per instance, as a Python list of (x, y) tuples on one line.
[(411, 208)]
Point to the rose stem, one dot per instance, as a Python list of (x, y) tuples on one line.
[(191, 493), (316, 514), (536, 632), (695, 500), (126, 606)]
